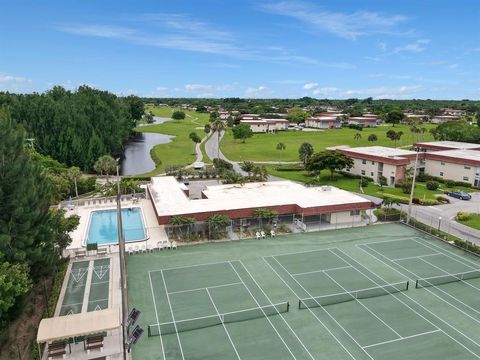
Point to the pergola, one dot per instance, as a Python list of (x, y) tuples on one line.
[(76, 325)]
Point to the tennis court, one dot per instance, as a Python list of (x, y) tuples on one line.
[(379, 292)]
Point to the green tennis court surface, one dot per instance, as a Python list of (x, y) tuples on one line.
[(378, 292)]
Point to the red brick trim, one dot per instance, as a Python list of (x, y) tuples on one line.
[(452, 160)]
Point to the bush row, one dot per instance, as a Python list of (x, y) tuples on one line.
[(424, 177)]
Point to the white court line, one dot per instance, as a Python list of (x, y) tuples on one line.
[(223, 324), (403, 338), (93, 301), (156, 315), (72, 304), (416, 302), (316, 271), (100, 282), (189, 266), (311, 311), (279, 313), (301, 252), (268, 319), (415, 257), (366, 308), (325, 310), (439, 289), (446, 272), (388, 241), (423, 307), (204, 288), (451, 254), (173, 316)]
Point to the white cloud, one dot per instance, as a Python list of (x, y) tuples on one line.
[(453, 66), (10, 79), (326, 91), (384, 92), (372, 58), (344, 25), (311, 85), (416, 47), (256, 92), (15, 83)]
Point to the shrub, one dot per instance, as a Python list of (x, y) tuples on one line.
[(405, 184), (432, 185), (387, 214), (423, 177), (450, 183), (221, 164), (364, 182), (400, 199), (428, 202), (463, 216), (443, 200)]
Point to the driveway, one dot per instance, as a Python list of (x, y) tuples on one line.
[(443, 216)]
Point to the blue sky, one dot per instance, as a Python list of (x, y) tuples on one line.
[(218, 48)]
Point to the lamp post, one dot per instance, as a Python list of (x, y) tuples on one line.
[(439, 222), (412, 190), (123, 272)]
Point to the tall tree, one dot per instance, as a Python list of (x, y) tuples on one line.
[(357, 137), (394, 116), (196, 140), (281, 147), (178, 115), (332, 160), (218, 126), (305, 151), (105, 165), (242, 132)]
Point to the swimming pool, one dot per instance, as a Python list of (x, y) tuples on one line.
[(103, 229)]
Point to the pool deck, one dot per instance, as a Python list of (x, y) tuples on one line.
[(155, 232)]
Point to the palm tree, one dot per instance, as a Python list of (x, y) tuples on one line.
[(264, 214), (357, 137), (105, 165), (423, 130), (281, 146), (305, 152), (73, 173), (215, 222), (218, 126), (372, 138), (196, 140)]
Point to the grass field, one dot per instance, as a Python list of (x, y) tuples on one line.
[(421, 191), (179, 150), (262, 147), (473, 222), (346, 289)]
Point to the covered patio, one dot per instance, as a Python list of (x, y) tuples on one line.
[(89, 335)]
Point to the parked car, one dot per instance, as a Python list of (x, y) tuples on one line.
[(462, 195)]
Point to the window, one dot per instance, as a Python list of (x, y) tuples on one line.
[(465, 178), (442, 163), (363, 172), (373, 162), (441, 173), (354, 212), (371, 174), (364, 161), (466, 167)]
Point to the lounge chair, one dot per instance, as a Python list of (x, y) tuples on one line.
[(160, 245), (130, 250), (168, 244), (257, 234), (149, 248), (137, 249), (263, 234), (272, 233), (174, 244)]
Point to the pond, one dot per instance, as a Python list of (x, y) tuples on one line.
[(137, 159)]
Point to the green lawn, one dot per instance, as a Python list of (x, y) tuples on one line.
[(421, 192), (473, 222), (179, 150), (262, 147)]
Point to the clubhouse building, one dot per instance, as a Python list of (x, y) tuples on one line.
[(171, 198)]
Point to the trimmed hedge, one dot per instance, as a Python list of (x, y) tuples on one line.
[(463, 216), (400, 199)]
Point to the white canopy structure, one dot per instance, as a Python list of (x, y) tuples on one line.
[(69, 326)]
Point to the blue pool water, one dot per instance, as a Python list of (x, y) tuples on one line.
[(103, 227)]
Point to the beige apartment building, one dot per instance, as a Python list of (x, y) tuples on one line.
[(377, 161), (458, 165), (266, 125)]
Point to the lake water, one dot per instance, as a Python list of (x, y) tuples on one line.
[(137, 158)]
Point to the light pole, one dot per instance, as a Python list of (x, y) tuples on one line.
[(439, 222), (412, 190), (123, 272)]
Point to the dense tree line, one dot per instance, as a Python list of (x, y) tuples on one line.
[(75, 128), (32, 236), (353, 106)]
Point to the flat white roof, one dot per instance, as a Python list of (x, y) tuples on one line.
[(464, 154), (169, 200), (381, 151), (451, 144)]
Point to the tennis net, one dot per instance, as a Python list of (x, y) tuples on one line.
[(448, 278), (218, 319), (331, 299)]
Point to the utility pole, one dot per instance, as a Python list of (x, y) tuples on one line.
[(123, 272), (412, 190)]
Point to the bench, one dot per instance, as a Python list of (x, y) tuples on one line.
[(56, 354), (94, 339), (95, 346), (102, 251), (80, 254)]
